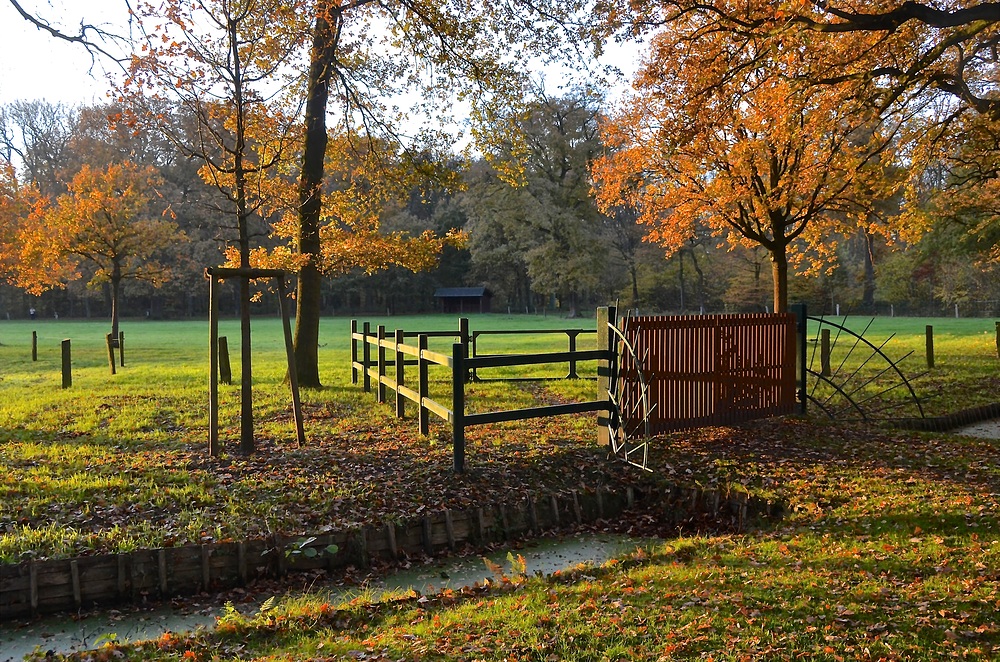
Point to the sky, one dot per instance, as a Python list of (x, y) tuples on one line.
[(34, 65)]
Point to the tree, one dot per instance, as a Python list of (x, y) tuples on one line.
[(473, 50), (546, 225), (37, 134), (936, 59), (106, 219), (224, 64), (719, 132), (13, 209), (363, 183)]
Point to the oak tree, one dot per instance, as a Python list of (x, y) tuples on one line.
[(719, 132), (935, 59), (108, 219), (366, 55)]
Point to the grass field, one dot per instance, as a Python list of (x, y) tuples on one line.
[(890, 548)]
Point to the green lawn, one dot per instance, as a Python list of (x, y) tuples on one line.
[(890, 547), (117, 462)]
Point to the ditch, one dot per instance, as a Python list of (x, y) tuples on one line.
[(71, 633)]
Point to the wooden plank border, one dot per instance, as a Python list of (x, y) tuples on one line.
[(68, 585)]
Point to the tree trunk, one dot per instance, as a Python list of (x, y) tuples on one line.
[(680, 277), (779, 272), (868, 295), (634, 276), (247, 444), (701, 281), (308, 296)]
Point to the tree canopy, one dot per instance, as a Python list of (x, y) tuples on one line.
[(719, 132), (105, 220)]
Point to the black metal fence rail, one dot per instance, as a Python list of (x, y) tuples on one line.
[(393, 352), (572, 335)]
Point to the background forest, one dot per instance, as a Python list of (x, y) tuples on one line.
[(538, 244)]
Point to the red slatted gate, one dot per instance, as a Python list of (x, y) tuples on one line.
[(709, 370)]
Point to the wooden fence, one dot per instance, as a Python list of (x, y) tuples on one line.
[(392, 353), (710, 370)]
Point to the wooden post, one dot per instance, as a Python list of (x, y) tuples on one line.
[(366, 358), (225, 368), (354, 352), (473, 352), (400, 360), (930, 346), (380, 392), (824, 353), (121, 348), (34, 344), (67, 363), (998, 340), (606, 316), (801, 328), (111, 351), (572, 348), (293, 380), (423, 415), (458, 405), (466, 339), (463, 332), (213, 360)]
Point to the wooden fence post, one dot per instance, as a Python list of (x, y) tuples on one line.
[(225, 368), (34, 343), (380, 392), (606, 316), (423, 415), (400, 377), (354, 352), (824, 353), (458, 405), (111, 351), (293, 378), (465, 338), (572, 348), (121, 348), (67, 365), (998, 340), (214, 344), (801, 329), (930, 346), (366, 357)]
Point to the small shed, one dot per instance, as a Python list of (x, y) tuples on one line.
[(463, 299)]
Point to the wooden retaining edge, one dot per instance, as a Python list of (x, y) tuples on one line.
[(63, 585), (950, 421)]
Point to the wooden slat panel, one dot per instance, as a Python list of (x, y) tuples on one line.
[(710, 370)]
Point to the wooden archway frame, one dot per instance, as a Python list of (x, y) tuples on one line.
[(214, 275)]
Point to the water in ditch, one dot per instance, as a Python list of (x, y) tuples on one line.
[(983, 429), (67, 634)]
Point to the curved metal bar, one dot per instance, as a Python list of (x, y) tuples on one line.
[(837, 388), (620, 434), (876, 350)]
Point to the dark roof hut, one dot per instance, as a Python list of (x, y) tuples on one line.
[(463, 299)]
